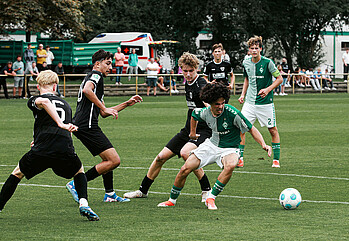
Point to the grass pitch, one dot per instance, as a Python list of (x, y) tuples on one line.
[(314, 134)]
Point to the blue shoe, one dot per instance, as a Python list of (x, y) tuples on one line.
[(71, 188), (87, 212), (114, 198)]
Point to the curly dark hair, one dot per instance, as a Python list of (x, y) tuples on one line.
[(101, 55), (213, 91)]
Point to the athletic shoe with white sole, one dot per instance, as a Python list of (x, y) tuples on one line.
[(88, 213), (71, 188), (276, 164), (114, 198), (135, 194), (204, 195), (166, 204), (240, 163), (210, 204)]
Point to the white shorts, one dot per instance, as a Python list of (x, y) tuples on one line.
[(264, 113), (208, 153)]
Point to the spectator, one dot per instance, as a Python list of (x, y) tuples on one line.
[(305, 79), (180, 71), (18, 67), (119, 65), (60, 71), (322, 83), (30, 70), (284, 82), (326, 77), (313, 80), (44, 66), (225, 56), (7, 70), (50, 57), (133, 63), (29, 55), (152, 70), (345, 59), (286, 71), (41, 56), (173, 82)]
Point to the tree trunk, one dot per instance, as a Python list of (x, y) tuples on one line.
[(27, 36)]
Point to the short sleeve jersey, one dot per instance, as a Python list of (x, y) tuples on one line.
[(49, 139), (6, 68), (192, 95), (218, 71), (285, 68), (87, 113), (40, 60), (18, 64), (226, 127), (259, 77)]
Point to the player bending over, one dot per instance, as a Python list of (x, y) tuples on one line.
[(226, 123), (180, 144), (53, 145), (90, 105)]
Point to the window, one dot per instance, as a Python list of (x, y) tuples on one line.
[(344, 46), (127, 49), (205, 44)]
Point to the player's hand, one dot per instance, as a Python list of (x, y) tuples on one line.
[(268, 149), (69, 127), (263, 92), (194, 136), (110, 111), (230, 87), (134, 99), (241, 99)]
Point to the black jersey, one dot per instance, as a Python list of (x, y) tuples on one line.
[(49, 139), (192, 95), (86, 115), (218, 71)]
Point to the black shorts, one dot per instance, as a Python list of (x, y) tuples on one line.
[(182, 138), (65, 166), (94, 140)]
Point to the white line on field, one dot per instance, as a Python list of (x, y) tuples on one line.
[(188, 194), (236, 171)]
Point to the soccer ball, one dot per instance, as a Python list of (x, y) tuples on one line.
[(290, 198)]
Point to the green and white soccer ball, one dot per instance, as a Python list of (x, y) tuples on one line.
[(290, 198)]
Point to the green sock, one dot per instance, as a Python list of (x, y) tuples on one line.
[(217, 188), (276, 150), (242, 148), (175, 191)]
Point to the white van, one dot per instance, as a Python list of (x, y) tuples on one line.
[(142, 42)]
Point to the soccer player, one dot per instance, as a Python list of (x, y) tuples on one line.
[(222, 148), (52, 146), (257, 92), (218, 70), (90, 105), (180, 144)]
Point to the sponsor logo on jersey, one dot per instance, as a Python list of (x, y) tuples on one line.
[(222, 68), (225, 125), (95, 77), (261, 69)]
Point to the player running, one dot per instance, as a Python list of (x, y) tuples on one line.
[(226, 123), (258, 88), (180, 144), (52, 146), (89, 106)]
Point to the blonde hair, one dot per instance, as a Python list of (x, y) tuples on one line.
[(47, 77), (217, 46), (256, 40), (188, 59)]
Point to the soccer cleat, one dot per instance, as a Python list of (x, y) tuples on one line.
[(88, 213), (114, 198), (71, 188), (135, 194), (276, 164), (166, 204), (240, 163), (210, 204), (204, 195)]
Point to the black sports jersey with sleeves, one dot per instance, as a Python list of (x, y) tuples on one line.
[(192, 95), (49, 139), (218, 71), (87, 113)]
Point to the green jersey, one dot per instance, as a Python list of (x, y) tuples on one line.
[(260, 76), (226, 127)]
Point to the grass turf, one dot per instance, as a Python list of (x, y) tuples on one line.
[(314, 159)]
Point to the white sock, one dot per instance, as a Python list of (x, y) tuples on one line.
[(110, 193), (172, 200), (210, 195), (83, 202)]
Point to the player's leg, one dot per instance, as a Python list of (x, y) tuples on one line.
[(275, 143), (191, 164), (249, 111)]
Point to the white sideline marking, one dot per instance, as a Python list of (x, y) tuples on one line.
[(235, 171), (187, 194)]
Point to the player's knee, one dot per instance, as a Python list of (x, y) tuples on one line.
[(113, 163), (184, 155), (273, 131), (160, 159), (229, 166), (185, 170)]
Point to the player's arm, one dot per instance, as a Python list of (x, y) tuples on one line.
[(9, 73), (89, 93), (193, 125), (244, 90), (232, 80), (259, 139), (205, 77), (44, 103), (133, 100), (264, 92)]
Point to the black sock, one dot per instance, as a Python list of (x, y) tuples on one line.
[(145, 185), (80, 181), (204, 183), (108, 181), (8, 189), (92, 174)]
